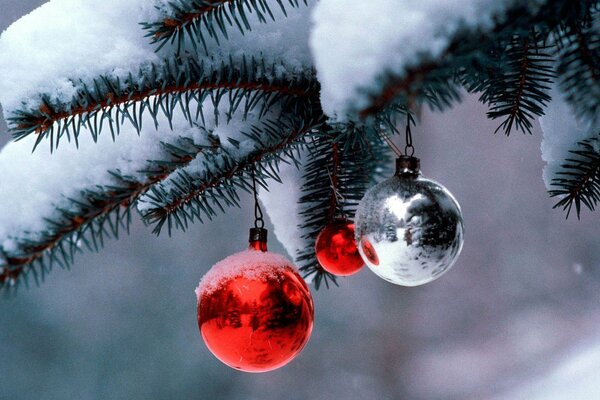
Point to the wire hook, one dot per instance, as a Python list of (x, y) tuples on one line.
[(259, 222)]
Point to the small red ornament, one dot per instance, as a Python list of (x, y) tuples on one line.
[(336, 249), (255, 312)]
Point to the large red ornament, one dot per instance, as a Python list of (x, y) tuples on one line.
[(336, 249), (255, 312)]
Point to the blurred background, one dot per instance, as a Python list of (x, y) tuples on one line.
[(518, 316)]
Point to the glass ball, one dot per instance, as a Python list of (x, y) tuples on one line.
[(255, 312), (336, 249), (409, 229)]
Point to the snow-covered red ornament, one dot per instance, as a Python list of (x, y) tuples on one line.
[(409, 229), (255, 312), (336, 249)]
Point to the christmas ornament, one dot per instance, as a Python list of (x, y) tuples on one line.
[(336, 249), (255, 312), (409, 229)]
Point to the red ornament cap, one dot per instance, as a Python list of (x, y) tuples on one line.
[(336, 249), (258, 239)]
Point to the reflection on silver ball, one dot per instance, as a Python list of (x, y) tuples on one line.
[(409, 229)]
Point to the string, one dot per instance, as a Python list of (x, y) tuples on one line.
[(390, 143), (258, 214), (409, 144)]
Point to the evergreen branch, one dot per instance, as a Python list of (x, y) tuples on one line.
[(469, 51), (518, 92), (321, 200), (195, 193), (342, 161), (438, 92), (578, 182), (159, 90), (59, 247), (433, 81), (395, 88), (92, 216), (195, 21), (579, 66), (413, 84)]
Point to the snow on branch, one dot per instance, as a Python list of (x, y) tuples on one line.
[(370, 53), (65, 42), (578, 181), (571, 150), (197, 190), (197, 21), (76, 197), (175, 84), (96, 69)]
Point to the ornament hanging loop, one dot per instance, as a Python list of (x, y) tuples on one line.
[(259, 222), (390, 143), (258, 234), (409, 149)]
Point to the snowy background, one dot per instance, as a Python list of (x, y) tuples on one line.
[(518, 317)]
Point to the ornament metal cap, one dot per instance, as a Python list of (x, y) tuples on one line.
[(408, 165), (258, 235)]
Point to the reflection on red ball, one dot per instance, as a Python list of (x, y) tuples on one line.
[(336, 249), (257, 323), (369, 251)]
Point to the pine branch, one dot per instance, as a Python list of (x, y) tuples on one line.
[(158, 91), (38, 257), (579, 66), (518, 91), (195, 21), (342, 161), (467, 52), (198, 192), (324, 160), (92, 216), (579, 180)]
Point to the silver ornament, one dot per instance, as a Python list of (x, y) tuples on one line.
[(409, 230)]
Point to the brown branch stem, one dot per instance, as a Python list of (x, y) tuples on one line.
[(586, 55), (171, 25), (51, 117), (522, 81), (217, 180), (101, 207)]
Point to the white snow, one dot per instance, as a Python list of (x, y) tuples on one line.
[(67, 41), (281, 205), (356, 42), (283, 40), (213, 162), (250, 264), (562, 130), (34, 185)]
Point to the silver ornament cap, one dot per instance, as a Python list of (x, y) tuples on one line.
[(409, 229)]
